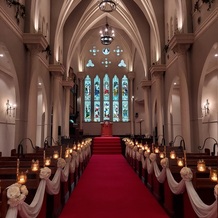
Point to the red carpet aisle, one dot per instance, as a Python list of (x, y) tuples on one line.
[(109, 188), (106, 145)]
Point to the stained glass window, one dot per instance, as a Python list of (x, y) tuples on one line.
[(110, 99), (106, 88), (115, 88), (125, 95), (97, 97), (97, 112), (87, 99), (115, 111), (106, 110), (115, 83)]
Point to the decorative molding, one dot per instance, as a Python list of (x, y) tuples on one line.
[(157, 68), (10, 22), (67, 84), (145, 83), (181, 42), (131, 75), (206, 24), (56, 69)]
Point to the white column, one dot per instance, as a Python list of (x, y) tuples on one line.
[(146, 85), (131, 77), (81, 77), (67, 86), (32, 99)]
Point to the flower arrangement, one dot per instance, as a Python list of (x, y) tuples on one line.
[(16, 194), (153, 157), (61, 163), (45, 173), (135, 148), (186, 174), (164, 162)]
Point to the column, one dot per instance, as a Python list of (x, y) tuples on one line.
[(146, 85), (36, 43), (81, 77), (180, 43), (131, 77), (157, 72), (57, 75), (67, 86)]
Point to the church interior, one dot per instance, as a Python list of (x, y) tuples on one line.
[(108, 81)]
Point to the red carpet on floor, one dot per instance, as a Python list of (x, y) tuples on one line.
[(109, 188), (107, 145)]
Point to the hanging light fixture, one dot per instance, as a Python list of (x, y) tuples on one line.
[(107, 5), (107, 35)]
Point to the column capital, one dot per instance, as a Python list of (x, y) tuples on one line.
[(35, 41), (81, 75), (57, 69), (157, 71), (145, 83), (67, 84), (131, 75), (181, 42)]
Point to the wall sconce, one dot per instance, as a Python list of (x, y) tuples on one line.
[(10, 108), (205, 109)]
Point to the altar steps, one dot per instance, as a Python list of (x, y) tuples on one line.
[(107, 145)]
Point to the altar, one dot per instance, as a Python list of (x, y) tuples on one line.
[(106, 128)]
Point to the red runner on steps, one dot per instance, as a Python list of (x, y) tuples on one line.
[(109, 188)]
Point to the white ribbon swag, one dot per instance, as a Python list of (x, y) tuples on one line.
[(17, 193), (149, 163)]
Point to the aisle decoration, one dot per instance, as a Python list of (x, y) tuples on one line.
[(16, 193)]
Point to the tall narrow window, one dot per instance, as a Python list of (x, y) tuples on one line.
[(87, 99), (115, 99), (106, 97), (97, 108), (125, 96)]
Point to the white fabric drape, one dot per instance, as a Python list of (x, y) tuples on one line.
[(52, 187), (201, 209)]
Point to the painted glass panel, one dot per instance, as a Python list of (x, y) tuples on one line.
[(97, 113), (125, 89), (106, 110), (87, 111), (115, 88), (97, 88), (125, 111), (106, 88), (87, 88), (115, 111)]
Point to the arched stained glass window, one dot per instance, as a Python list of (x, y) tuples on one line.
[(87, 99), (106, 97), (115, 88), (97, 97), (106, 88), (115, 99), (125, 96)]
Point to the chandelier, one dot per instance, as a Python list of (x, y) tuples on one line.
[(107, 5), (107, 35)]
